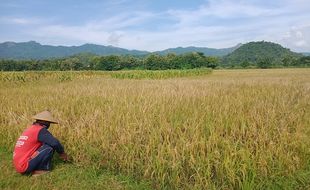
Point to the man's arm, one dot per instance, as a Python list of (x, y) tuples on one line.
[(46, 137)]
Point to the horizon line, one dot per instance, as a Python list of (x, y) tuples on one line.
[(238, 44)]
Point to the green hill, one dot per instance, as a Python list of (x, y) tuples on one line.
[(206, 51), (34, 50), (256, 52)]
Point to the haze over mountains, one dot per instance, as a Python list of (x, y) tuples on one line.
[(34, 50)]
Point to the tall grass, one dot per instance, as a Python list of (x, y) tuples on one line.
[(161, 74), (61, 76), (230, 130)]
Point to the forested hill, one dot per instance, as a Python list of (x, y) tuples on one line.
[(34, 50), (204, 50), (254, 52), (247, 54)]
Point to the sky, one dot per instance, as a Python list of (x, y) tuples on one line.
[(154, 25)]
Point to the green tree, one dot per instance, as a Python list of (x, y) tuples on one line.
[(212, 62), (108, 63), (303, 61), (154, 62), (172, 61), (245, 64), (264, 63), (71, 64), (130, 62)]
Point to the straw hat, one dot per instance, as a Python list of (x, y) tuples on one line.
[(45, 116)]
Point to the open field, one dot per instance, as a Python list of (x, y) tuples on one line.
[(232, 129)]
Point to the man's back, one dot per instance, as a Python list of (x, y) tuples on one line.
[(25, 147)]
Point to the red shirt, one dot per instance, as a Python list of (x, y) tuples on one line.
[(25, 146)]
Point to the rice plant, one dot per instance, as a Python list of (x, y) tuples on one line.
[(232, 129)]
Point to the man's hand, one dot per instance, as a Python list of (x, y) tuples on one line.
[(64, 157)]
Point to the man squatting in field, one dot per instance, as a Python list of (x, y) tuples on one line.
[(35, 147)]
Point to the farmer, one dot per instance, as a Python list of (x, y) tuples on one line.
[(35, 147)]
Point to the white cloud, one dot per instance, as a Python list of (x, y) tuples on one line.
[(108, 31), (220, 9), (121, 20), (217, 24), (114, 39), (77, 34), (297, 38)]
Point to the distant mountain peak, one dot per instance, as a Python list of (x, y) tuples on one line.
[(33, 42), (205, 50), (9, 44), (34, 50)]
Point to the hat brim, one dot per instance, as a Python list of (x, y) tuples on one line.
[(45, 116), (44, 119)]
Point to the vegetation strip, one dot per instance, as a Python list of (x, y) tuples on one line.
[(250, 55), (145, 74)]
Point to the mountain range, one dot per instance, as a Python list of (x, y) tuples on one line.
[(205, 50), (34, 50)]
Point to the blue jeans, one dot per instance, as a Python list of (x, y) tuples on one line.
[(41, 160)]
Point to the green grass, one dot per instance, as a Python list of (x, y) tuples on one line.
[(65, 176), (160, 74), (59, 76)]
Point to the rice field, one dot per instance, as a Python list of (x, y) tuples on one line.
[(226, 129), (61, 76)]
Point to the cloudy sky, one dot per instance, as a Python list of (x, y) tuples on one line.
[(157, 24)]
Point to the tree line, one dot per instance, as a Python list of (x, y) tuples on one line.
[(86, 61), (270, 62), (114, 62)]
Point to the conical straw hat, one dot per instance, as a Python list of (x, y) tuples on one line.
[(45, 116)]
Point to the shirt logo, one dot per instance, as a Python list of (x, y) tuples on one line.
[(21, 141)]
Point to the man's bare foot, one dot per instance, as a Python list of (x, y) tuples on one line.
[(39, 172)]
